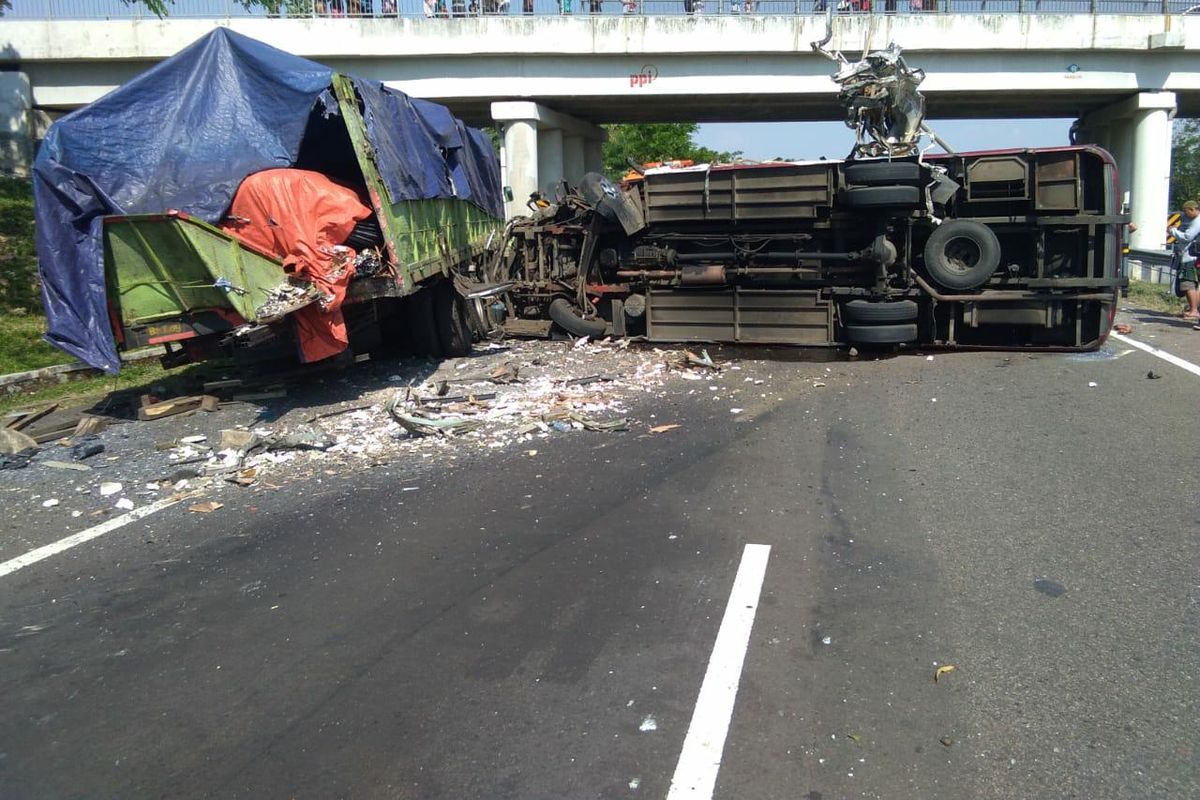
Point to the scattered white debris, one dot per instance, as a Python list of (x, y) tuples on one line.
[(648, 724), (51, 503), (827, 640), (125, 504), (735, 411), (109, 488), (1092, 384)]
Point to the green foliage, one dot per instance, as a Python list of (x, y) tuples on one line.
[(1185, 162), (21, 345), (655, 142), (19, 288), (1154, 296)]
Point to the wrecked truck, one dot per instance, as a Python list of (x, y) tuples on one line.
[(1008, 249), (889, 247), (239, 200)]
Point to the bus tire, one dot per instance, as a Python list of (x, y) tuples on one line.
[(880, 334), (454, 335), (882, 197), (882, 173), (422, 323), (883, 313), (962, 254), (563, 314)]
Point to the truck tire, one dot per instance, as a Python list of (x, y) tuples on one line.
[(563, 314), (869, 313), (962, 254), (422, 326), (453, 332), (879, 334), (882, 173), (882, 197)]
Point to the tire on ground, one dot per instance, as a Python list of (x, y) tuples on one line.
[(422, 325), (870, 313), (882, 197), (563, 314), (879, 334), (454, 335), (962, 254), (882, 173)]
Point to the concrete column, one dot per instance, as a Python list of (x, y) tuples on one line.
[(1121, 146), (520, 162), (573, 159), (16, 133), (549, 160), (593, 155), (1151, 178), (542, 147), (1139, 138)]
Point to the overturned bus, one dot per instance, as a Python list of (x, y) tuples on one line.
[(1017, 248), (236, 199)]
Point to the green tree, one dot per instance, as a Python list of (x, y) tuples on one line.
[(664, 141), (1185, 162)]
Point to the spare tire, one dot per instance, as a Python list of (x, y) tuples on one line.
[(882, 173), (879, 313), (882, 197), (962, 254), (563, 314), (879, 334)]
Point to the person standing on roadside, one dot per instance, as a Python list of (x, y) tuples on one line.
[(1187, 280)]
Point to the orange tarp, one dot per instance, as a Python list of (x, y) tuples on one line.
[(300, 216)]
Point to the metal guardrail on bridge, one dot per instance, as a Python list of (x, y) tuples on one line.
[(228, 9)]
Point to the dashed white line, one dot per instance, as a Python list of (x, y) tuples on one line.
[(34, 556), (700, 759), (1163, 354)]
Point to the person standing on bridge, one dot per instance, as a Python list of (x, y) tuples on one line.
[(1187, 281)]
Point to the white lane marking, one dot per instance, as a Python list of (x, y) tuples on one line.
[(696, 772), (34, 556), (1163, 354)]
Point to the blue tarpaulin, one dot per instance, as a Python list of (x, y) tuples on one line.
[(184, 135)]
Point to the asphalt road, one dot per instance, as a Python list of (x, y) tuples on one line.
[(537, 627)]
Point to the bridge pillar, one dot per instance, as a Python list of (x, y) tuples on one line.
[(16, 129), (541, 147), (573, 169), (1137, 131)]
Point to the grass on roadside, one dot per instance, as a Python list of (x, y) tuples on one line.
[(21, 345), (1154, 296), (18, 257), (139, 377)]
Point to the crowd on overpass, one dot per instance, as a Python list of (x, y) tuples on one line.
[(117, 9)]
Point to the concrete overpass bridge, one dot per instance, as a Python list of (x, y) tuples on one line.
[(549, 81)]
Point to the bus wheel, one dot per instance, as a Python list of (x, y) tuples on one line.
[(882, 173), (879, 334), (883, 197), (563, 314), (454, 334), (879, 313), (962, 254)]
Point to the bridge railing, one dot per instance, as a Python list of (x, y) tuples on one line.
[(228, 9)]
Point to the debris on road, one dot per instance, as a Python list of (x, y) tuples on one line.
[(83, 450), (125, 504), (179, 405), (206, 507), (664, 428), (66, 465), (13, 441), (1152, 375), (109, 488), (1123, 329), (946, 741), (945, 669)]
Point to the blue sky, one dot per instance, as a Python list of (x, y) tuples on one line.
[(805, 140)]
